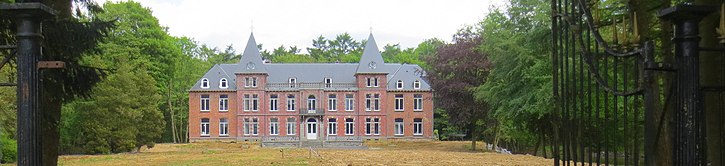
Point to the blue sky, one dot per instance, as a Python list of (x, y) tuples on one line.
[(218, 23)]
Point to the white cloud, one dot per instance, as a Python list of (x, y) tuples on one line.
[(218, 23)]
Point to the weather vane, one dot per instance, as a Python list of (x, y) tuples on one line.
[(251, 27)]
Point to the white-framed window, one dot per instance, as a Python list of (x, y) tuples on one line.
[(328, 82), (417, 126), (368, 102), (291, 102), (247, 126), (332, 126), (416, 84), (273, 100), (376, 126), (254, 81), (399, 126), (399, 104), (399, 85), (291, 126), (375, 83), (247, 103), (223, 83), (273, 126), (311, 103), (223, 103), (247, 82), (376, 102), (368, 126), (417, 102), (223, 127), (332, 102), (349, 102), (292, 82), (204, 83), (369, 82), (204, 127), (204, 103), (255, 102), (349, 126), (255, 126)]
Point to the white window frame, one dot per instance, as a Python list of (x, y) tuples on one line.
[(204, 103), (376, 82), (418, 127), (254, 81), (399, 128), (349, 102), (247, 126), (273, 126), (368, 126), (399, 85), (223, 103), (332, 102), (255, 102), (273, 102), (328, 82), (311, 103), (291, 126), (255, 126), (247, 82), (246, 102), (204, 83), (417, 102), (350, 127), (368, 102), (376, 126), (291, 103), (399, 102), (369, 82), (204, 127), (223, 127), (292, 82), (416, 84), (376, 102), (223, 83), (332, 127)]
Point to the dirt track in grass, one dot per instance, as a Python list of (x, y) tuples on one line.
[(378, 153)]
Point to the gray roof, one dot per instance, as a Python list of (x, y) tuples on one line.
[(251, 59), (371, 58), (315, 72)]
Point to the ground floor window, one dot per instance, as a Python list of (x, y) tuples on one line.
[(251, 126), (332, 126), (417, 126), (376, 126), (205, 127), (399, 126), (368, 126), (291, 126), (273, 126), (349, 126), (255, 126), (223, 127)]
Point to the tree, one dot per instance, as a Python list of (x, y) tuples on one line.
[(454, 71)]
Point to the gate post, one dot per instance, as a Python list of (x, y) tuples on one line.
[(27, 18), (689, 124)]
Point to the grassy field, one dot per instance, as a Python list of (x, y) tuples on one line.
[(378, 153)]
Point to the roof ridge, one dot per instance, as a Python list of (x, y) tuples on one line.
[(225, 73)]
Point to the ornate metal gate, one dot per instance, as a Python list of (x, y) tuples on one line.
[(607, 96)]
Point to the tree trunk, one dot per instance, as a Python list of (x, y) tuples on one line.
[(51, 110), (171, 112), (474, 136)]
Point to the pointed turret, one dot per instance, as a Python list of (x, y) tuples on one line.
[(251, 60), (371, 60)]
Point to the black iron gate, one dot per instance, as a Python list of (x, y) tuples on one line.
[(609, 105)]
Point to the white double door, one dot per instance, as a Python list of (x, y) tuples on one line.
[(311, 128)]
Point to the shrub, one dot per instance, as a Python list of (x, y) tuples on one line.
[(8, 149)]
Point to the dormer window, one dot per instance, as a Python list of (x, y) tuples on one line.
[(223, 83), (328, 82), (292, 82), (204, 83), (399, 84), (416, 84)]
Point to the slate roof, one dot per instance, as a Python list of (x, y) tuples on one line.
[(314, 72)]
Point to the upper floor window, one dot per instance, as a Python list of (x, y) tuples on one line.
[(328, 82), (311, 103), (223, 103), (417, 102), (292, 82), (332, 102), (223, 83), (375, 82), (349, 102), (250, 82), (399, 104), (399, 84), (291, 102), (372, 81), (416, 84), (376, 102), (273, 102), (204, 83), (204, 103)]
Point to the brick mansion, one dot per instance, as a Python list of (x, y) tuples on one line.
[(293, 103)]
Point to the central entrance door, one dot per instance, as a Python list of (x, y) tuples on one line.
[(312, 128)]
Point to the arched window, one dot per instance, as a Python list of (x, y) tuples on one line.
[(400, 84), (416, 84), (204, 83), (223, 83), (311, 103)]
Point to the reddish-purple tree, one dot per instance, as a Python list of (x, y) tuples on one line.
[(455, 70)]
